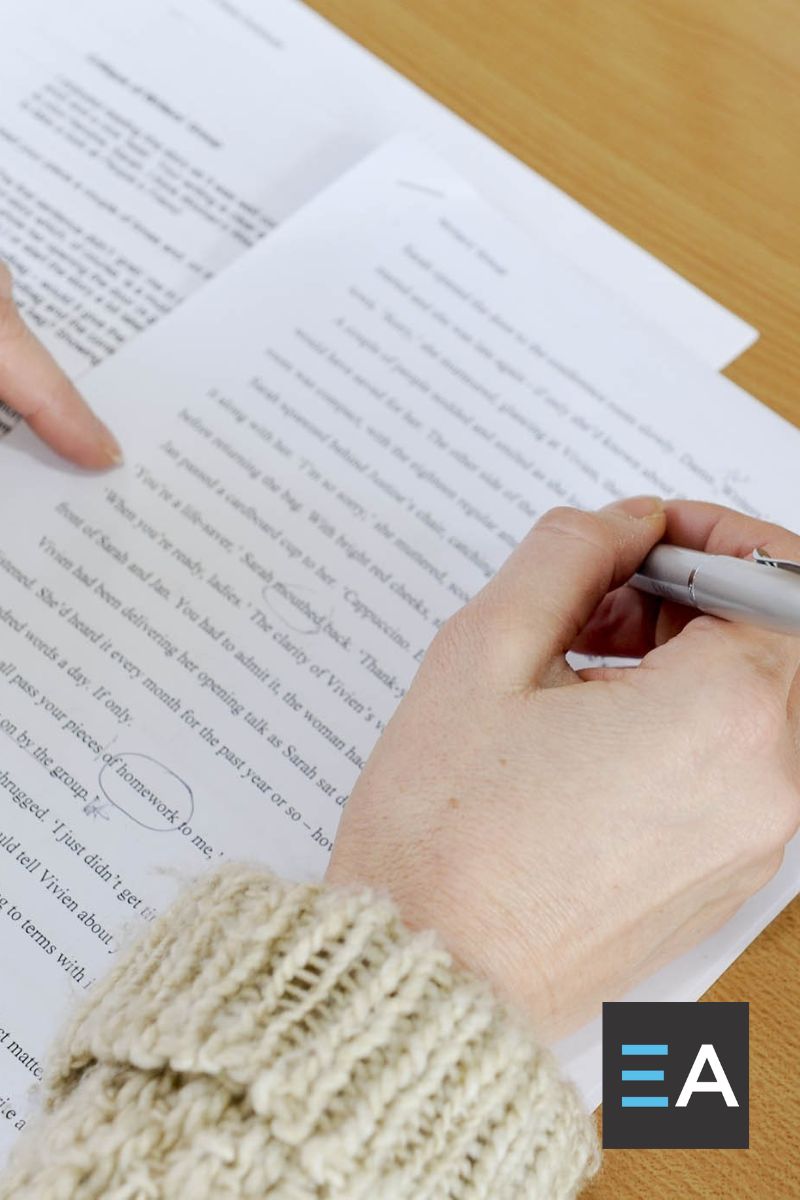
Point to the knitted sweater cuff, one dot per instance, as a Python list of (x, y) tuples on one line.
[(379, 1067)]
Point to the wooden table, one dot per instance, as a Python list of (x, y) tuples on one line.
[(678, 122)]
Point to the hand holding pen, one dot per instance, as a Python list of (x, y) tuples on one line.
[(712, 560), (720, 585), (565, 832)]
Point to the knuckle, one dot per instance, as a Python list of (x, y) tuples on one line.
[(762, 842), (784, 818), (711, 628), (770, 867), (471, 643), (716, 651), (448, 645), (575, 523)]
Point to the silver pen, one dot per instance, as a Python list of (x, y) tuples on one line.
[(761, 591)]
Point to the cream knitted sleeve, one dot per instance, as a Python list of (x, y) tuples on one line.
[(274, 1040)]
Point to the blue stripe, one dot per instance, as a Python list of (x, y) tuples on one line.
[(635, 1048), (641, 1076), (645, 1101)]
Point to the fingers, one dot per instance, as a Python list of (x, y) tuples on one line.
[(550, 586), (623, 625), (719, 530), (630, 623), (737, 685), (33, 385), (739, 651)]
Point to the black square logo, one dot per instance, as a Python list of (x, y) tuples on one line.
[(676, 1076)]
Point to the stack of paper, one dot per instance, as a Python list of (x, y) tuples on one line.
[(330, 446)]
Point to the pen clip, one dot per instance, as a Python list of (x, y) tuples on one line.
[(782, 564)]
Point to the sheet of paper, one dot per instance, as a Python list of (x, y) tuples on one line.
[(325, 59), (126, 183), (329, 448)]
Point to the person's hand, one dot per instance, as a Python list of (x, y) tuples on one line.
[(567, 834), (33, 385)]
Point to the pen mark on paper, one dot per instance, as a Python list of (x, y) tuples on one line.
[(420, 187), (293, 605), (152, 795)]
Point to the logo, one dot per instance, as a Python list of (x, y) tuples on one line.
[(676, 1076)]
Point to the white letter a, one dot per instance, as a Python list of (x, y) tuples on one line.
[(706, 1054)]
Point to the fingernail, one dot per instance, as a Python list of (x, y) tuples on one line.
[(110, 447), (638, 506)]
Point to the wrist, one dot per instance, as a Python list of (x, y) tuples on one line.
[(481, 928), (368, 1063)]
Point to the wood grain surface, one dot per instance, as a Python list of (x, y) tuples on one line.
[(678, 122)]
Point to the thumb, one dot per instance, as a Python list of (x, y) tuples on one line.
[(549, 587), (33, 385)]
